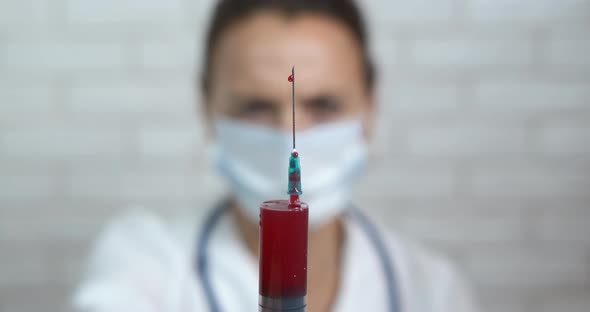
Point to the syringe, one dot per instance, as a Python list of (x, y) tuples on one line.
[(294, 186), (283, 243)]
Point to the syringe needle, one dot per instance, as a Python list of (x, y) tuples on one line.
[(293, 101)]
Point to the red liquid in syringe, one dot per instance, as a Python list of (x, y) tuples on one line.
[(283, 248)]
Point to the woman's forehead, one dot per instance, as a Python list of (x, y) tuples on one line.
[(263, 48)]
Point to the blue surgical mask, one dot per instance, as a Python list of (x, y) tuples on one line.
[(254, 161)]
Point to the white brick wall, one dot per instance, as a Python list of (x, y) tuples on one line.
[(61, 57), (528, 10), (482, 147), (467, 141), (402, 12), (24, 186), (548, 94), (130, 97), (178, 54), (569, 51), (555, 228), (25, 100), (529, 183), (23, 11), (123, 11), (471, 53), (565, 140)]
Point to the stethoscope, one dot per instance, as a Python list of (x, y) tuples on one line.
[(369, 228)]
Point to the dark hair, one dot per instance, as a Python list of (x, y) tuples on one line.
[(229, 12)]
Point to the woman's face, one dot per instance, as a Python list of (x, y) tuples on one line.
[(254, 57)]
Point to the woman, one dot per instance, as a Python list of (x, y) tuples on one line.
[(141, 264)]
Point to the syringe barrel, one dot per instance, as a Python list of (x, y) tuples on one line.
[(283, 256)]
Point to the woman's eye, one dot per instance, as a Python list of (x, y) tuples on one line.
[(254, 109), (325, 107)]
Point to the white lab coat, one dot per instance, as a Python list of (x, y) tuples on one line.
[(141, 264)]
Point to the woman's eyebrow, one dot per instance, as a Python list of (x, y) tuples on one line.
[(252, 100), (321, 100), (250, 104)]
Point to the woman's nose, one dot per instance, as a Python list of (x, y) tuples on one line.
[(286, 119), (285, 122)]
